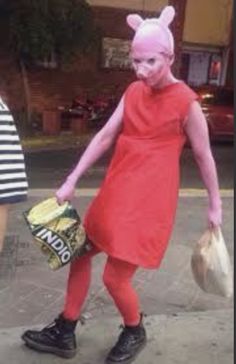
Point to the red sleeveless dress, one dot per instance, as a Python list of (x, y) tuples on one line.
[(132, 216)]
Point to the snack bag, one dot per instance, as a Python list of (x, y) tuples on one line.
[(58, 231), (211, 265)]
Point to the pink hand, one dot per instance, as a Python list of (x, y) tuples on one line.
[(65, 192), (214, 215)]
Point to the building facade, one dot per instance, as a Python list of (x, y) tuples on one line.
[(204, 54), (202, 33)]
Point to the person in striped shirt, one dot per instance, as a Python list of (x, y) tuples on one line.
[(13, 180)]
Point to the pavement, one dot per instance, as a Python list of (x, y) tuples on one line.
[(184, 324), (196, 338), (43, 142)]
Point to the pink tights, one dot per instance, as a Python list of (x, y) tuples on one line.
[(117, 279)]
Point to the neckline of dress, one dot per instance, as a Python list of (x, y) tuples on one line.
[(154, 91)]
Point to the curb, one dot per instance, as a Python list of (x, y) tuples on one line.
[(90, 192)]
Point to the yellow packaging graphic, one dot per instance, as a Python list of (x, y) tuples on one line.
[(58, 231)]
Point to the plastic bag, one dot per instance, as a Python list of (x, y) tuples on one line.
[(58, 231), (211, 265)]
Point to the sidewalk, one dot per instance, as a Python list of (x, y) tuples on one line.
[(196, 338), (65, 140), (184, 324), (62, 141)]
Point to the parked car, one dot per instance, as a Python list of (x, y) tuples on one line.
[(218, 104)]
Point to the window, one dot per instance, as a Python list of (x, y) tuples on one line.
[(201, 67), (49, 62), (115, 53)]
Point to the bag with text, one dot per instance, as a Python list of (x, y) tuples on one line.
[(58, 231), (211, 265)]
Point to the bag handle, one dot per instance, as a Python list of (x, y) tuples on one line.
[(216, 231)]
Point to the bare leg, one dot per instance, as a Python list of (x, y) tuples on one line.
[(3, 223)]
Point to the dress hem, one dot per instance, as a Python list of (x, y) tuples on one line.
[(117, 256)]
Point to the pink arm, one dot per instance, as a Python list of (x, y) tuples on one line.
[(197, 131), (97, 147)]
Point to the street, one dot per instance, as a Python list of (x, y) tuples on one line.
[(47, 169)]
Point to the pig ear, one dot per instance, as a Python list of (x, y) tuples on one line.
[(167, 15), (134, 21)]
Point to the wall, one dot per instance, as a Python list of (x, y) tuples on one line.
[(150, 5), (208, 22), (51, 88)]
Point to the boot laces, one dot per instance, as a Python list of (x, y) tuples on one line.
[(53, 327)]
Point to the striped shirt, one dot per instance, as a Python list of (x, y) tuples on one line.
[(13, 181)]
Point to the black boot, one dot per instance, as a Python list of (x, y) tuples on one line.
[(57, 338), (130, 342)]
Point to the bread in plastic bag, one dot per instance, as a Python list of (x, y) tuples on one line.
[(58, 231), (211, 265)]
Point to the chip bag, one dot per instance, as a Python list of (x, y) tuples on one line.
[(58, 231), (211, 265)]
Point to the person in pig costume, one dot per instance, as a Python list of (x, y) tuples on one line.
[(132, 216)]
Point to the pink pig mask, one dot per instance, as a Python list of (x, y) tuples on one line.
[(152, 38), (153, 34)]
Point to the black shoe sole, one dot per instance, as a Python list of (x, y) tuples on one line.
[(67, 354), (130, 360)]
